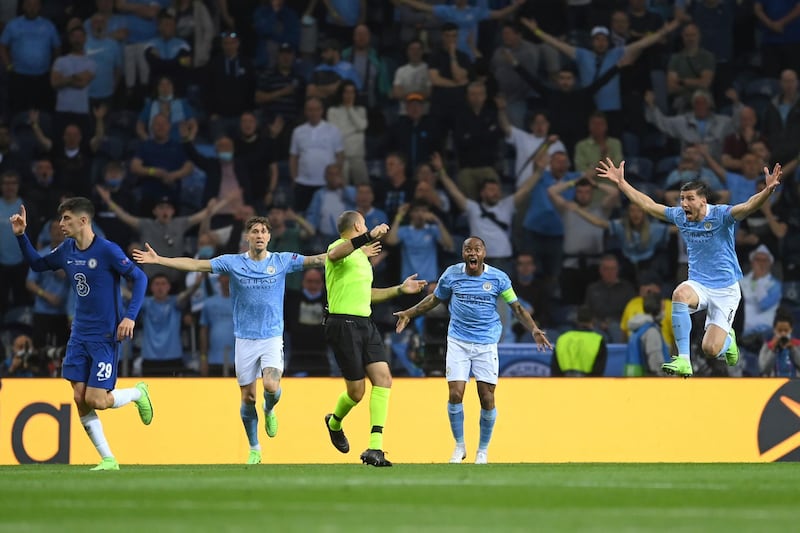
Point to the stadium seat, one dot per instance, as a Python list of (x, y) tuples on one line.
[(766, 87), (664, 166)]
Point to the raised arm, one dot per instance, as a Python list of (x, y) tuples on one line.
[(755, 202), (452, 189), (314, 261), (99, 127), (19, 221), (411, 285), (148, 256), (554, 193), (652, 38), (43, 140), (539, 164), (591, 218), (498, 14), (343, 249), (392, 238), (445, 239), (416, 4), (123, 215), (606, 169), (563, 47)]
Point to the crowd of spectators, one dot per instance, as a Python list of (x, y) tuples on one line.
[(444, 119)]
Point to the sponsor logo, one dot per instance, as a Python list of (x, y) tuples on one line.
[(779, 427), (92, 263)]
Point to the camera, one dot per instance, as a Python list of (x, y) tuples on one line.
[(783, 342)]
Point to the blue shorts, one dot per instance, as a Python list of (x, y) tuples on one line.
[(93, 363)]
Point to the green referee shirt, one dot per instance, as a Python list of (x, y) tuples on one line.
[(349, 283)]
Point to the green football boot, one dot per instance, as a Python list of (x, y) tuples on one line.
[(732, 354), (144, 405), (678, 367), (108, 463), (254, 458)]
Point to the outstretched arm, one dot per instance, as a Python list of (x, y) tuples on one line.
[(563, 47), (452, 189), (148, 256), (526, 320), (606, 169), (653, 38), (314, 261), (349, 246), (407, 315), (411, 285), (416, 4), (755, 202)]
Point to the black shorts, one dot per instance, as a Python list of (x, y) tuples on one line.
[(356, 342)]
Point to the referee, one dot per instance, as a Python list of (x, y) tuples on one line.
[(351, 334)]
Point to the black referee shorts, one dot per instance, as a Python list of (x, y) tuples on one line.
[(356, 342)]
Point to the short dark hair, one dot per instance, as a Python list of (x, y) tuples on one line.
[(252, 221), (77, 204), (583, 182), (783, 315), (485, 182), (512, 25), (652, 304), (699, 187), (474, 237), (347, 220), (584, 315)]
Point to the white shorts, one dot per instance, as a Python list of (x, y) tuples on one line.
[(252, 356), (720, 304), (463, 356)]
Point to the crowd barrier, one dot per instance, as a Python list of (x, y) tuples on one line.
[(527, 360), (539, 420)]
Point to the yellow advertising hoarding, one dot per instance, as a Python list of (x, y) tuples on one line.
[(539, 420)]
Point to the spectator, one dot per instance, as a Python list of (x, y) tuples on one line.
[(164, 232), (534, 293), (581, 352), (466, 18), (216, 330), (207, 247), (782, 119), (177, 110), (141, 23), (764, 227), (289, 232), (327, 76), (230, 89), (365, 197), (574, 106), (275, 23), (315, 145), (305, 310), (598, 146), (416, 134), (780, 356), (649, 283), (740, 142), (238, 17), (343, 16), (694, 164), (351, 119), (608, 296), (115, 26), (780, 35), (70, 77), (514, 53), (595, 62), (418, 241), (71, 155), (16, 363), (161, 164), (716, 20), (10, 159), (28, 45), (45, 193), (761, 292), (194, 26), (647, 350), (371, 69), (328, 203), (257, 152), (699, 126), (161, 316), (120, 189), (429, 190), (51, 291), (476, 138), (13, 268), (689, 70), (450, 71), (107, 55), (166, 54), (413, 77), (396, 189), (583, 243)]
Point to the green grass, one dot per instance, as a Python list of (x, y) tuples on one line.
[(277, 498)]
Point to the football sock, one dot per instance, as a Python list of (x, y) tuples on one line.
[(125, 396), (94, 428), (455, 412), (378, 411), (725, 346), (343, 406), (250, 421), (682, 328), (487, 426), (270, 399)]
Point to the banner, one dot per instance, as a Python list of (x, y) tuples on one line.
[(539, 420)]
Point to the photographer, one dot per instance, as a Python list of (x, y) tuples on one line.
[(16, 365), (780, 356)]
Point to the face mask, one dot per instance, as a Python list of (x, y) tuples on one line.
[(226, 156), (45, 180), (114, 183), (73, 152), (205, 252), (20, 353), (165, 98)]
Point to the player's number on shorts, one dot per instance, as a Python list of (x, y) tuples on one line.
[(104, 371), (81, 286)]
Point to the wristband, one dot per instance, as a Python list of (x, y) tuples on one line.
[(360, 240), (151, 171), (40, 292), (538, 32)]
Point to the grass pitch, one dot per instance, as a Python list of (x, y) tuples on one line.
[(508, 497)]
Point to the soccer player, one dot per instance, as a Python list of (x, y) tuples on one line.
[(352, 334), (93, 266), (472, 288), (714, 273), (257, 282)]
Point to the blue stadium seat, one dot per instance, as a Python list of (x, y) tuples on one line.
[(665, 166), (766, 87)]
